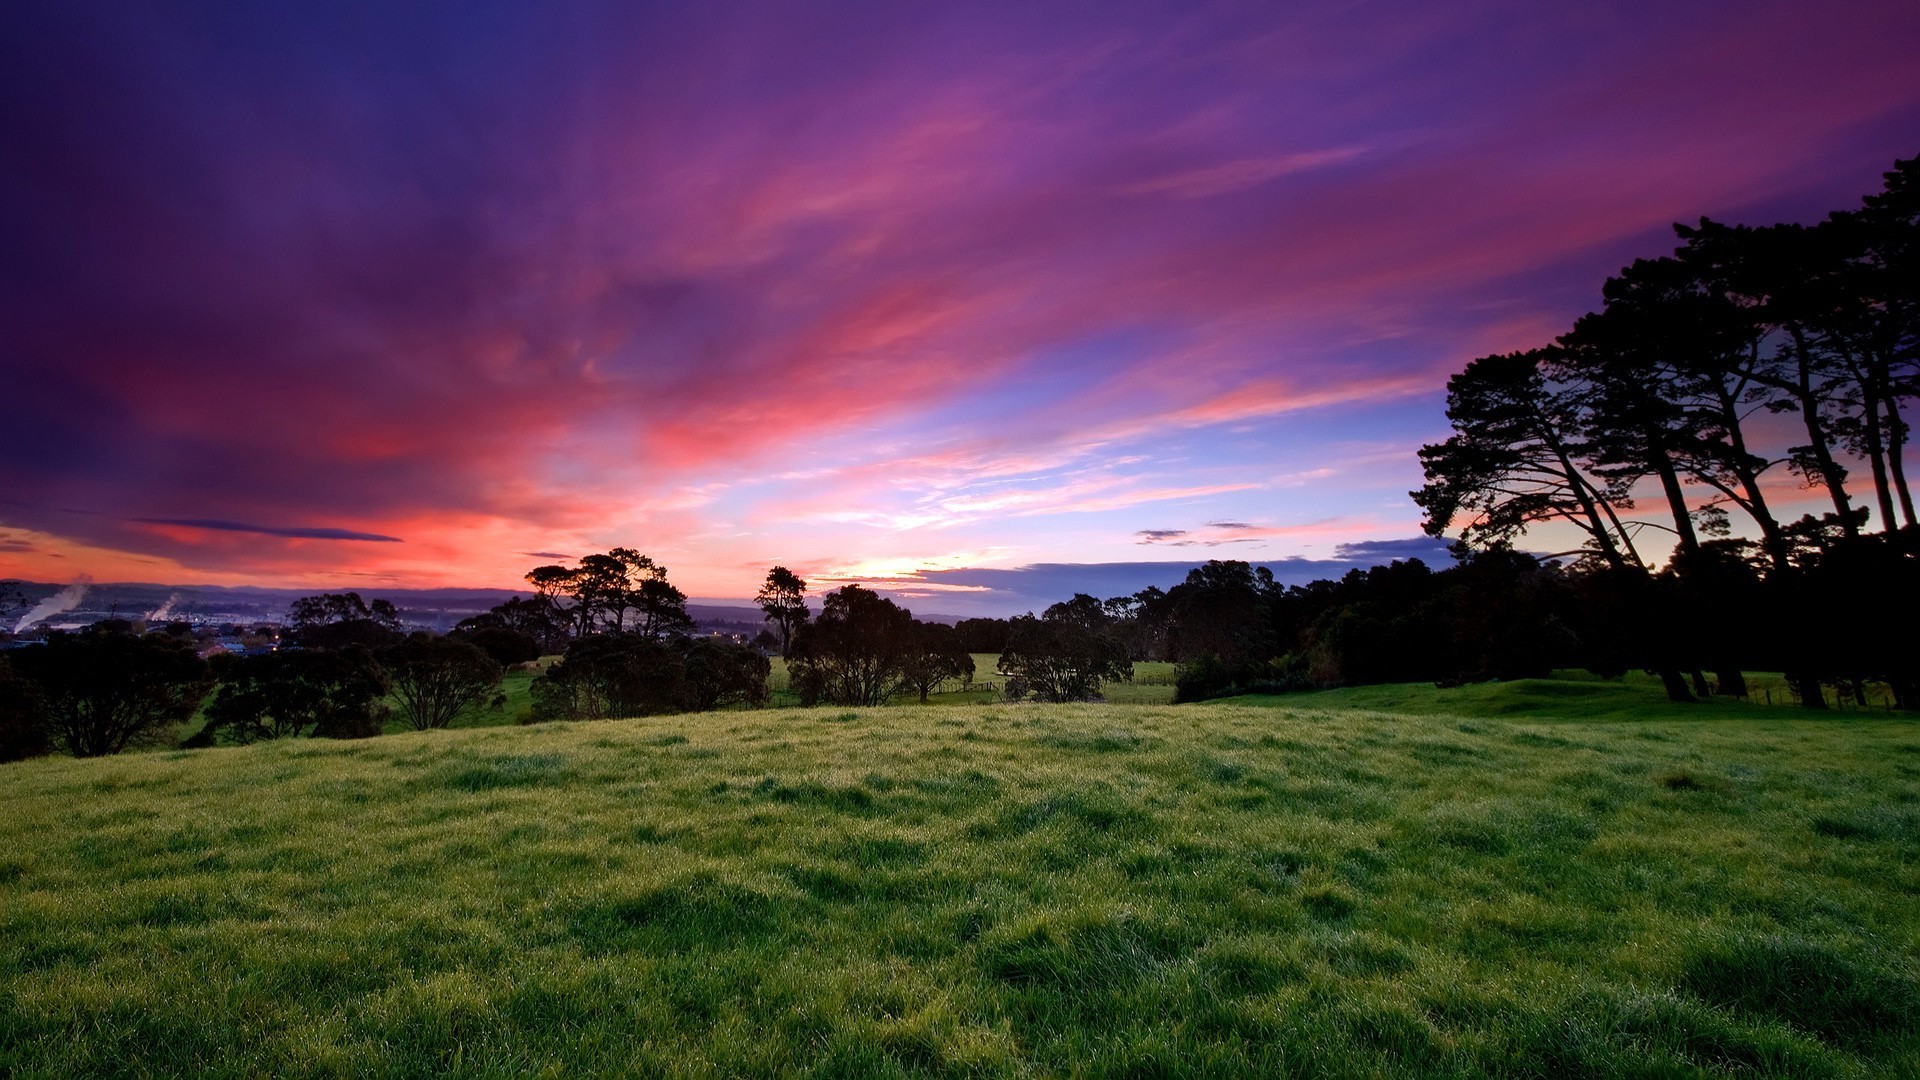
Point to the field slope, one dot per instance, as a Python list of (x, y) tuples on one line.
[(1256, 888)]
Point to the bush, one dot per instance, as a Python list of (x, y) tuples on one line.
[(434, 678), (104, 691), (615, 675), (23, 718), (1059, 660), (320, 692)]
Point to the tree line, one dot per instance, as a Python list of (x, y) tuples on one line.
[(1711, 383)]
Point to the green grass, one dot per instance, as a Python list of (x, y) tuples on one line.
[(1518, 880), (1573, 695), (1152, 684)]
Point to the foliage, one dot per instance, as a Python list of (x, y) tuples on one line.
[(604, 588), (535, 618), (105, 691), (720, 673), (610, 675), (327, 693), (329, 608), (23, 717), (1058, 659), (1669, 387), (855, 653), (506, 647), (983, 635), (434, 678), (783, 598), (339, 620), (935, 655)]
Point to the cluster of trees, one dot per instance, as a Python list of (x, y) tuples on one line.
[(625, 639), (624, 673), (864, 648), (1709, 377), (342, 671), (615, 592)]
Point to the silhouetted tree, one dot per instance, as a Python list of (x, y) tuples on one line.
[(605, 587), (105, 691), (506, 647), (1061, 659), (983, 635), (337, 620), (434, 678), (660, 608), (1513, 461), (326, 693), (1223, 609), (611, 675), (720, 673), (783, 598), (854, 653), (23, 717), (936, 655), (537, 618)]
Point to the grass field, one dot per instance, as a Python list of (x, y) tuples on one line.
[(1152, 684), (1536, 879)]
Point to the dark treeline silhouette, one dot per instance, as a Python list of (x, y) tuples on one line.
[(1710, 383)]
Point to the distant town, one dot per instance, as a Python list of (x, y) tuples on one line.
[(245, 618)]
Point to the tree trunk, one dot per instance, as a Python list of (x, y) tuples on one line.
[(1877, 457), (1676, 502), (1676, 686), (1700, 687), (1756, 501), (1810, 694), (1903, 692), (1896, 459), (1831, 473), (1732, 682)]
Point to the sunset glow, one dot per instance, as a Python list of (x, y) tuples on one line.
[(903, 295)]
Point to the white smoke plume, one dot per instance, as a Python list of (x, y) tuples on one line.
[(65, 600), (160, 613)]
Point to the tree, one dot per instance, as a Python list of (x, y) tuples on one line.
[(506, 647), (783, 598), (326, 693), (1223, 609), (434, 678), (105, 691), (611, 675), (720, 673), (23, 717), (1512, 461), (1062, 660), (536, 618), (983, 635), (337, 620), (854, 653), (935, 655), (605, 587), (661, 608)]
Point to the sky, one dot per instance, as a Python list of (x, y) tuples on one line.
[(969, 301)]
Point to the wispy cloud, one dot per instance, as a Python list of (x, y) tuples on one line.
[(290, 532)]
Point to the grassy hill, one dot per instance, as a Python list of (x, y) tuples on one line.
[(1506, 880)]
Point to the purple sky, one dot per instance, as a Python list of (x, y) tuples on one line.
[(396, 294)]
